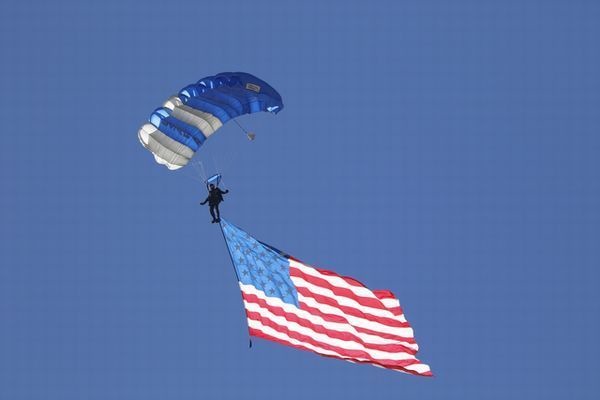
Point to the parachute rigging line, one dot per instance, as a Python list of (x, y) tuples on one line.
[(250, 135)]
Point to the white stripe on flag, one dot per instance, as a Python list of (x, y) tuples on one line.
[(322, 338), (315, 319)]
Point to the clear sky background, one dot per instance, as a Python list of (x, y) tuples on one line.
[(445, 150)]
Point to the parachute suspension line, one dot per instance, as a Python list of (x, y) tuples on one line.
[(194, 178), (214, 160), (250, 135), (194, 173), (240, 125), (204, 174), (232, 156), (236, 274), (200, 169), (229, 158), (215, 166)]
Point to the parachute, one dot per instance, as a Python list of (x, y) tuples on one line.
[(175, 131)]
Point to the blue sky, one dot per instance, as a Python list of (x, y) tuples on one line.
[(447, 151)]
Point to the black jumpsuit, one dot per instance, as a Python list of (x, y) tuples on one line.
[(215, 196)]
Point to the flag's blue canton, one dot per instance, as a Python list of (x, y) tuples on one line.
[(259, 266)]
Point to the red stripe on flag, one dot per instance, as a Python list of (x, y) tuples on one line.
[(383, 335), (327, 317), (260, 334), (339, 291), (334, 334), (349, 280), (386, 294), (351, 310), (386, 335), (355, 354)]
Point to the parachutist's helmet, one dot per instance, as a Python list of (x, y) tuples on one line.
[(212, 186)]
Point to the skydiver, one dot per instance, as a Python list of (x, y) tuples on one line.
[(215, 196)]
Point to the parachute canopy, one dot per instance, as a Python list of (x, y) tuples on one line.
[(175, 131)]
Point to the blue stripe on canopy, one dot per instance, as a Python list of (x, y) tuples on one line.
[(207, 107), (232, 104), (231, 94), (176, 129)]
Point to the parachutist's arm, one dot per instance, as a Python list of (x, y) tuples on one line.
[(224, 192), (204, 202)]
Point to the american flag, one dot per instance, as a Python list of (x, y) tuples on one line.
[(312, 309)]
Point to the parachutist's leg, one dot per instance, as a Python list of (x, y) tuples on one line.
[(218, 213), (212, 213)]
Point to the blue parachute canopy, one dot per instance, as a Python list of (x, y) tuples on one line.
[(231, 94), (179, 128)]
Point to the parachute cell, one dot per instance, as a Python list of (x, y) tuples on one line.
[(179, 128)]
